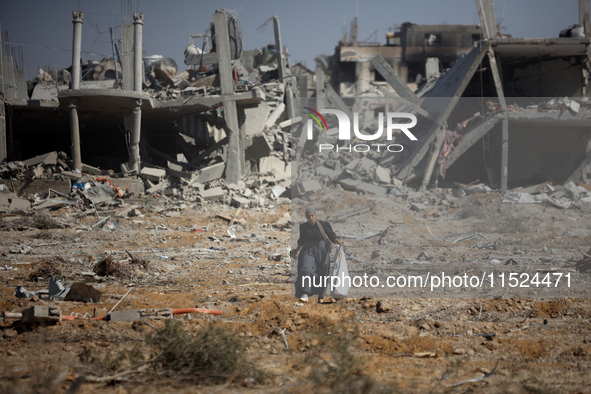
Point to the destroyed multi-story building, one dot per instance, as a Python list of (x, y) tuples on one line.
[(415, 52), (510, 112), (131, 112)]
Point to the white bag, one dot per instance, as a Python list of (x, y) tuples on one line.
[(340, 282)]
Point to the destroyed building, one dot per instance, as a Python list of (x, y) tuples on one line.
[(415, 52), (510, 112), (134, 115)]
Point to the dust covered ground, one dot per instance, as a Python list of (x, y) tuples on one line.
[(184, 257)]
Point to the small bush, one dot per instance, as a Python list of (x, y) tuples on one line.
[(214, 355)]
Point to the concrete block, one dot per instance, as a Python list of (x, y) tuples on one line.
[(173, 166), (383, 174), (211, 173), (278, 190), (83, 292), (9, 202), (259, 148), (153, 174), (45, 159), (38, 172), (276, 166), (417, 206), (123, 316), (170, 191), (41, 314), (349, 184), (216, 193), (240, 202), (369, 188)]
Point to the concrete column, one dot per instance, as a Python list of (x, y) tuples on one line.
[(319, 89), (76, 48), (584, 16), (279, 48), (3, 141), (138, 64), (234, 165), (75, 136), (136, 132), (363, 76)]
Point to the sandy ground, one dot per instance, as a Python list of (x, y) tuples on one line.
[(375, 341)]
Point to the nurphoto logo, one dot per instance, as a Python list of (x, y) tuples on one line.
[(392, 123)]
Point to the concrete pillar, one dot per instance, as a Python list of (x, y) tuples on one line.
[(281, 67), (138, 64), (3, 141), (363, 76), (584, 16), (75, 85), (279, 48), (136, 132), (319, 89), (234, 165), (75, 136), (127, 57), (76, 48)]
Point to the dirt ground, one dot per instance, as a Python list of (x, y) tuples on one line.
[(420, 342)]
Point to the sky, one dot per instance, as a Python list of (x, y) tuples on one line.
[(309, 28)]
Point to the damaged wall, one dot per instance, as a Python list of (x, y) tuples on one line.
[(539, 78)]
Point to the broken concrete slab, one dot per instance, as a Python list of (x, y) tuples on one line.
[(21, 292), (153, 174), (45, 159), (10, 202), (275, 115), (275, 166), (83, 292), (349, 184), (383, 174), (100, 193), (211, 173), (38, 186), (256, 118), (57, 289), (216, 193), (240, 202)]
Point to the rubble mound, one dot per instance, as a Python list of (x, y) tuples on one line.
[(108, 267), (46, 270)]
